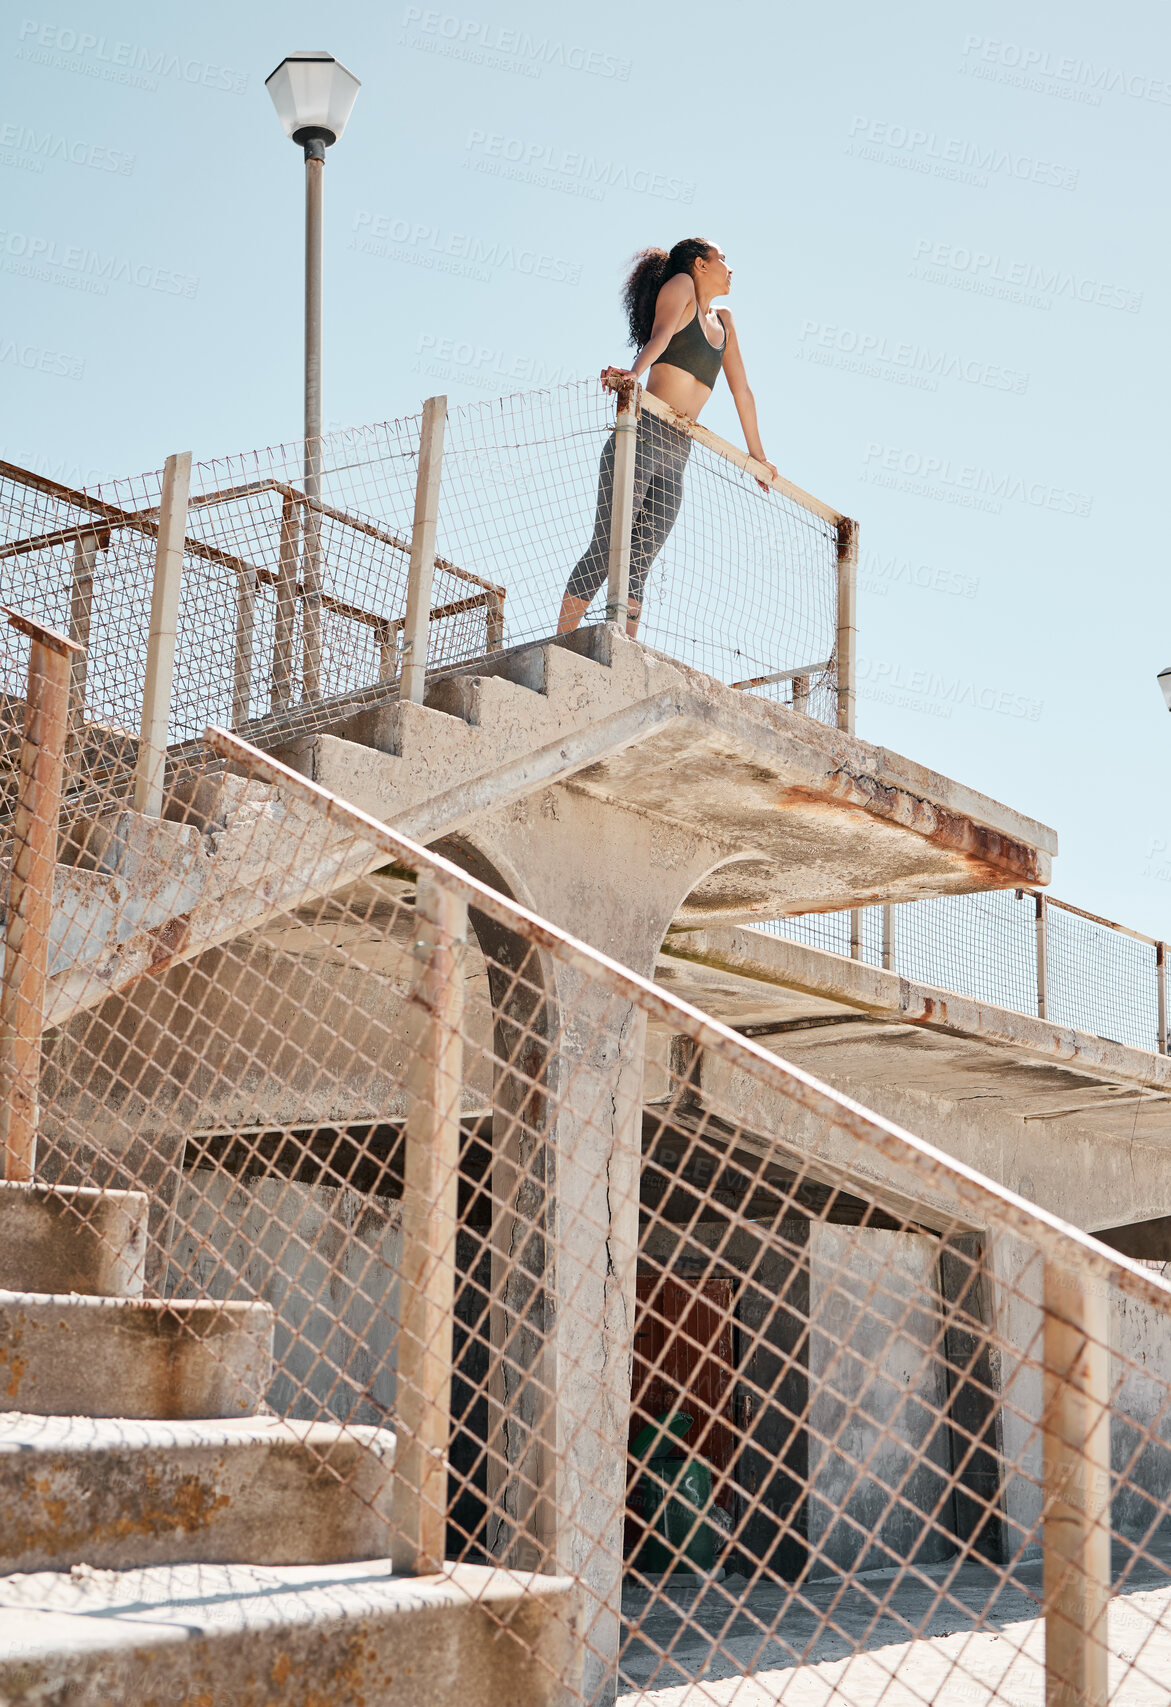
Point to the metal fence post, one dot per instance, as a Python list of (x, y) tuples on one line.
[(281, 696), (81, 604), (30, 892), (164, 623), (1076, 1527), (801, 694), (431, 1172), (888, 938), (1161, 993), (847, 642), (622, 504), (1042, 959), (242, 663), (422, 570)]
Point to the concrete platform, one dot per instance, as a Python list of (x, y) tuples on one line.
[(809, 818), (71, 1239), (952, 1636), (352, 1635), (1040, 1107), (132, 1357), (117, 1493)]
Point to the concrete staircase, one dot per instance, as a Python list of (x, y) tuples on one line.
[(164, 1540), (808, 817)]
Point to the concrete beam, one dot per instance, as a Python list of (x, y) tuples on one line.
[(1080, 1125)]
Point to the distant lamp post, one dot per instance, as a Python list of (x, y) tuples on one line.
[(1164, 679), (314, 95)]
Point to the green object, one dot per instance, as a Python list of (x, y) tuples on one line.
[(671, 1495)]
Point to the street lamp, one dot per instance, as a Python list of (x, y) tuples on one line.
[(1164, 680), (314, 95)]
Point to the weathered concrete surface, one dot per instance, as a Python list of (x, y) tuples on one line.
[(879, 1463), (1039, 1107), (977, 1641), (807, 818), (118, 1493), (325, 1260), (71, 1239), (349, 1636), (130, 1357)]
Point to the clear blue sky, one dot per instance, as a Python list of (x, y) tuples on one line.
[(948, 225)]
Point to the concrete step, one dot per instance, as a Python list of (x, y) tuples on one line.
[(509, 709), (132, 1357), (69, 1238), (116, 1493), (351, 1636)]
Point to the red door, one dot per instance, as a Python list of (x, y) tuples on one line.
[(684, 1360)]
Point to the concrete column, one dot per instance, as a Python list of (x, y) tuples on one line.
[(567, 1157), (877, 1398)]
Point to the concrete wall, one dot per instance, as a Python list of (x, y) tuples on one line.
[(327, 1261), (879, 1450)]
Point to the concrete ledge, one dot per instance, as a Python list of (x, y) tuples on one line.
[(71, 1239), (123, 1357), (117, 1493), (852, 985), (350, 1636)]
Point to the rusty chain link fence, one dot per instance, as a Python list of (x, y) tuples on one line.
[(291, 607), (747, 1395), (1033, 953)]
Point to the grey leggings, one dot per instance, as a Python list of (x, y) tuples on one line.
[(660, 456)]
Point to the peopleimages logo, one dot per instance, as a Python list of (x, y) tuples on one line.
[(954, 157), (503, 49), (1027, 282), (878, 574), (418, 244), (66, 49), (85, 269), (484, 365), (1065, 75), (893, 683), (22, 146), (567, 170), (902, 362), (33, 359), (964, 484)]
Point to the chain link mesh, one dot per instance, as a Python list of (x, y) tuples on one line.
[(750, 1395), (1099, 977), (294, 592)]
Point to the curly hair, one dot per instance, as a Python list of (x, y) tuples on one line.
[(650, 272)]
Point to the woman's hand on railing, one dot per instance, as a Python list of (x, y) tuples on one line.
[(772, 468)]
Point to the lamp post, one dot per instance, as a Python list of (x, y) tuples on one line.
[(314, 95), (1164, 681)]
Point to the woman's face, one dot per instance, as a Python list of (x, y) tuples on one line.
[(714, 272)]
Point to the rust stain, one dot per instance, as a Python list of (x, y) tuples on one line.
[(191, 1506), (168, 940), (281, 1669), (986, 851)]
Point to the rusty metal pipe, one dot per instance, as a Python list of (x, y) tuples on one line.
[(30, 891)]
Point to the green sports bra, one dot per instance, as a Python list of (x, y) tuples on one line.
[(690, 350)]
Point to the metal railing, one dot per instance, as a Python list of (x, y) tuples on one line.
[(1017, 948), (279, 606), (701, 1379)]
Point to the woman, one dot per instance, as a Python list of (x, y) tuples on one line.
[(684, 342)]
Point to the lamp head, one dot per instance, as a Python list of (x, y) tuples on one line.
[(313, 94), (1164, 679)]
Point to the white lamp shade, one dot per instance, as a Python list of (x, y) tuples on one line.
[(1165, 684), (312, 91)]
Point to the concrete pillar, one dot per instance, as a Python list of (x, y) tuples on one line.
[(567, 1156), (879, 1448)]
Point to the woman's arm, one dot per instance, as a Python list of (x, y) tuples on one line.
[(742, 392), (674, 297)]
